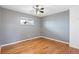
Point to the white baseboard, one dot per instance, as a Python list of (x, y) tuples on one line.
[(39, 37), (19, 41), (55, 39), (74, 46), (32, 39)]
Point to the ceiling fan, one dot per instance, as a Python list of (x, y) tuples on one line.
[(38, 9)]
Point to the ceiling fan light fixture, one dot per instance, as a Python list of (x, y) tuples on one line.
[(37, 5), (42, 11), (38, 9), (42, 8)]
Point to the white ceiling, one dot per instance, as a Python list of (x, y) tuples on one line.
[(49, 9)]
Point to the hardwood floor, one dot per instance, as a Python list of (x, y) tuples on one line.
[(74, 51), (39, 46)]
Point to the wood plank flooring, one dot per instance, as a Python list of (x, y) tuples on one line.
[(39, 46)]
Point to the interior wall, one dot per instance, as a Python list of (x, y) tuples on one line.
[(0, 26), (13, 31), (53, 26), (56, 26), (74, 27)]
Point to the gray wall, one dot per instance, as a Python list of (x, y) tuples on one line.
[(56, 26), (13, 31), (0, 25), (53, 26), (0, 22)]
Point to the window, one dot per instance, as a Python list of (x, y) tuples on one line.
[(26, 21)]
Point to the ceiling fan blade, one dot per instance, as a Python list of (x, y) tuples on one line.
[(42, 11)]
